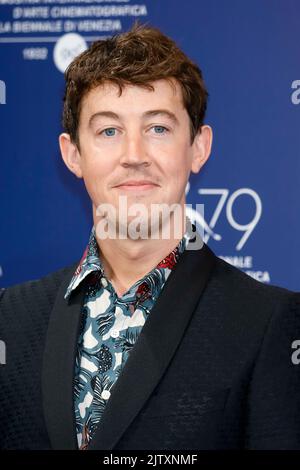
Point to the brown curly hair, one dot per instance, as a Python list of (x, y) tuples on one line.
[(138, 57)]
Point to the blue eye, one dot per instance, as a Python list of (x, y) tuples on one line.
[(160, 129), (110, 131)]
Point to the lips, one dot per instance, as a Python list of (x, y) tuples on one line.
[(137, 183), (136, 186)]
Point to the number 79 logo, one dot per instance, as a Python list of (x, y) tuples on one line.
[(226, 202)]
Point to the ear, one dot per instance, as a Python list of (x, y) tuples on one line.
[(201, 148), (70, 154)]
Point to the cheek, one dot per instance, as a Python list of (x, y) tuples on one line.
[(179, 165), (95, 175), (178, 171), (96, 166)]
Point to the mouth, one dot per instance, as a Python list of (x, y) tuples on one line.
[(143, 185)]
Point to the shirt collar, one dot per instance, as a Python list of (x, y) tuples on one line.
[(91, 262)]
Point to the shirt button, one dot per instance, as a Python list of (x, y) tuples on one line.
[(105, 394), (103, 282), (114, 333)]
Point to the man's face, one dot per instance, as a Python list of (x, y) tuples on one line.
[(136, 145)]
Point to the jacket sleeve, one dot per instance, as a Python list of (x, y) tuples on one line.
[(273, 404)]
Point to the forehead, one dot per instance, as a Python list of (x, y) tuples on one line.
[(166, 94)]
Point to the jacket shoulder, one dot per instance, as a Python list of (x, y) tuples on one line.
[(244, 285), (241, 300), (44, 288)]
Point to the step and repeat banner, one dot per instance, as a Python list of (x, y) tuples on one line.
[(249, 54)]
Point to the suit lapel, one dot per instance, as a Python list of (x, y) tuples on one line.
[(58, 366), (151, 354)]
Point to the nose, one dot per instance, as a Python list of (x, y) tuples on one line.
[(134, 152)]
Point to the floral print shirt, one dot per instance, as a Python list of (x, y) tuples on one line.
[(110, 326)]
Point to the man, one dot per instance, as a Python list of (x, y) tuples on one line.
[(146, 343)]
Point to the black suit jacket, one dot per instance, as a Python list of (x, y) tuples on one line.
[(211, 369)]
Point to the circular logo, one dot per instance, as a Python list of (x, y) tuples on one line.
[(67, 48)]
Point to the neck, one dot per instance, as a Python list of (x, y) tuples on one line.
[(126, 261)]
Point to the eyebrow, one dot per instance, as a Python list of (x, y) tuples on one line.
[(146, 114)]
